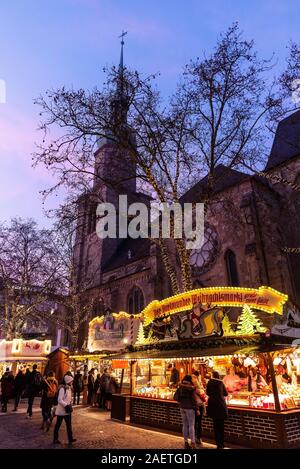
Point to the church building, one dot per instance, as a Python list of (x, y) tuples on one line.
[(249, 229)]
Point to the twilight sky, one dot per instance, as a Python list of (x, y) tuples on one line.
[(67, 42)]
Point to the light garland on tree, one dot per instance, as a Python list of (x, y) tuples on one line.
[(248, 323)]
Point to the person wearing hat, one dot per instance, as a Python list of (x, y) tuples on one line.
[(64, 409)]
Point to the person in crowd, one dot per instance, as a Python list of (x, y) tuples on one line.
[(77, 387), (255, 380), (49, 392), (168, 373), (174, 378), (185, 396), (105, 377), (85, 385), (19, 386), (200, 398), (64, 410), (216, 407), (96, 393), (34, 387), (7, 388), (112, 387), (27, 375), (91, 383)]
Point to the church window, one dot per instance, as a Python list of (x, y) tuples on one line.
[(135, 301), (201, 260), (231, 267), (92, 219)]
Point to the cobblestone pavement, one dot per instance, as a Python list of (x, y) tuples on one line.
[(93, 429)]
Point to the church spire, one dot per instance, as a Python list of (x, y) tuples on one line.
[(120, 100), (121, 66), (120, 86)]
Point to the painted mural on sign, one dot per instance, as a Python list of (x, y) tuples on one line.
[(112, 332), (199, 322)]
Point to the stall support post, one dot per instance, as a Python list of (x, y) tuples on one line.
[(274, 383), (131, 377), (122, 378)]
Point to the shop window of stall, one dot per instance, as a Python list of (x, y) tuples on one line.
[(248, 377), (135, 301), (287, 373)]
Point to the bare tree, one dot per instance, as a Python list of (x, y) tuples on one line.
[(217, 115), (28, 274), (75, 308)]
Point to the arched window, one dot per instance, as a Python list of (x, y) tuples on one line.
[(231, 267), (135, 301)]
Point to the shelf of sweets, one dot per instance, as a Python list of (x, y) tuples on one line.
[(257, 401), (155, 392)]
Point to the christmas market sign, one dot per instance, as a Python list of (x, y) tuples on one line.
[(113, 331), (264, 298)]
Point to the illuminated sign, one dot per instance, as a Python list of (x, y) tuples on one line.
[(264, 298), (20, 348), (113, 331)]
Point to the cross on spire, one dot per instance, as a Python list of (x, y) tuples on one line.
[(122, 36), (121, 66)]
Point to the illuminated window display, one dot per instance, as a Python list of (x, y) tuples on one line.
[(287, 373), (247, 377)]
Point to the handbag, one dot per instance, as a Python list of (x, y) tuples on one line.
[(68, 409)]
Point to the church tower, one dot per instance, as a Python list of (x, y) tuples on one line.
[(115, 168), (115, 174)]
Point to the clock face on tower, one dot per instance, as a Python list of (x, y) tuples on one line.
[(202, 259)]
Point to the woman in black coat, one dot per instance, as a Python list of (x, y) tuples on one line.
[(216, 407)]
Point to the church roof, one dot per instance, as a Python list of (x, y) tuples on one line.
[(130, 250), (286, 143), (224, 178)]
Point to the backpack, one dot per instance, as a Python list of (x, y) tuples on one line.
[(37, 380), (52, 389), (55, 397)]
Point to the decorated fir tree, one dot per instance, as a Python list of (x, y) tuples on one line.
[(226, 326), (141, 335), (248, 323)]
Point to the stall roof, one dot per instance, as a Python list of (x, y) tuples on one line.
[(186, 353)]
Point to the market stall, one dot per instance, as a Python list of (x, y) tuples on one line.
[(107, 335), (261, 371), (19, 352)]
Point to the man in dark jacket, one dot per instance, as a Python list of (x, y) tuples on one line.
[(19, 386), (216, 407), (77, 387), (34, 388), (104, 381), (7, 386), (91, 383), (185, 396)]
